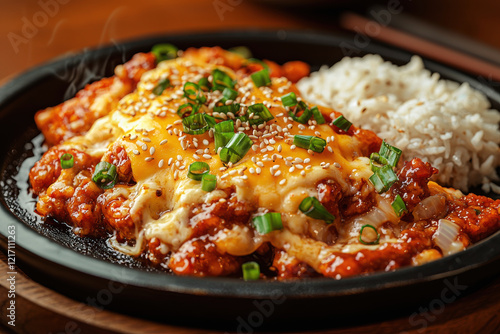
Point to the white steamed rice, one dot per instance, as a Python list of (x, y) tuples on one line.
[(440, 121)]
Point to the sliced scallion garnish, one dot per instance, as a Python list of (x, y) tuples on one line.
[(236, 148), (383, 178), (105, 175), (164, 51), (312, 143), (251, 271), (260, 110), (161, 86), (261, 78), (268, 222), (301, 108), (223, 132), (342, 123), (228, 94), (193, 92), (233, 107), (289, 100), (208, 182), (67, 161), (390, 153), (187, 109), (318, 116), (195, 124), (204, 84), (311, 207), (376, 239), (399, 206), (221, 80), (197, 169)]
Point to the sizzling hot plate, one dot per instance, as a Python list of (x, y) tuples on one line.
[(87, 270)]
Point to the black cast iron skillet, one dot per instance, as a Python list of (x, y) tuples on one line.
[(87, 270)]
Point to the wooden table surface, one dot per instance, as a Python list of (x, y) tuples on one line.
[(35, 31)]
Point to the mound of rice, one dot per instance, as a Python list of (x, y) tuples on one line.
[(442, 122)]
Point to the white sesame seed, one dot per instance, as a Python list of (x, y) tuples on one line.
[(251, 170), (224, 176), (264, 150), (291, 169), (336, 164), (330, 149), (181, 167), (299, 166), (136, 152), (258, 170), (170, 160), (133, 136), (144, 147), (276, 167), (179, 121), (197, 157), (302, 127), (310, 151), (164, 141), (298, 160), (307, 160), (205, 142), (148, 159), (278, 173), (152, 150), (147, 140), (244, 177), (293, 147), (207, 156), (232, 172), (176, 174), (160, 163), (259, 163), (308, 167), (303, 173), (282, 182), (179, 157)]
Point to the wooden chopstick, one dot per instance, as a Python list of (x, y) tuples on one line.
[(354, 22)]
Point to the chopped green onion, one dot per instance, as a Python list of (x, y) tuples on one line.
[(208, 182), (197, 169), (310, 206), (383, 178), (242, 51), (195, 124), (193, 92), (236, 148), (377, 161), (261, 78), (233, 107), (342, 123), (164, 51), (187, 109), (105, 175), (375, 242), (312, 143), (162, 85), (67, 161), (260, 110), (204, 84), (223, 132), (399, 206), (318, 116), (228, 94), (210, 120), (268, 222), (221, 80), (306, 113), (251, 271), (390, 153), (289, 100)]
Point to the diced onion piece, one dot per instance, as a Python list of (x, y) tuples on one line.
[(445, 237), (431, 207)]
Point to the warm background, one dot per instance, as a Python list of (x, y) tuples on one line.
[(29, 37)]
